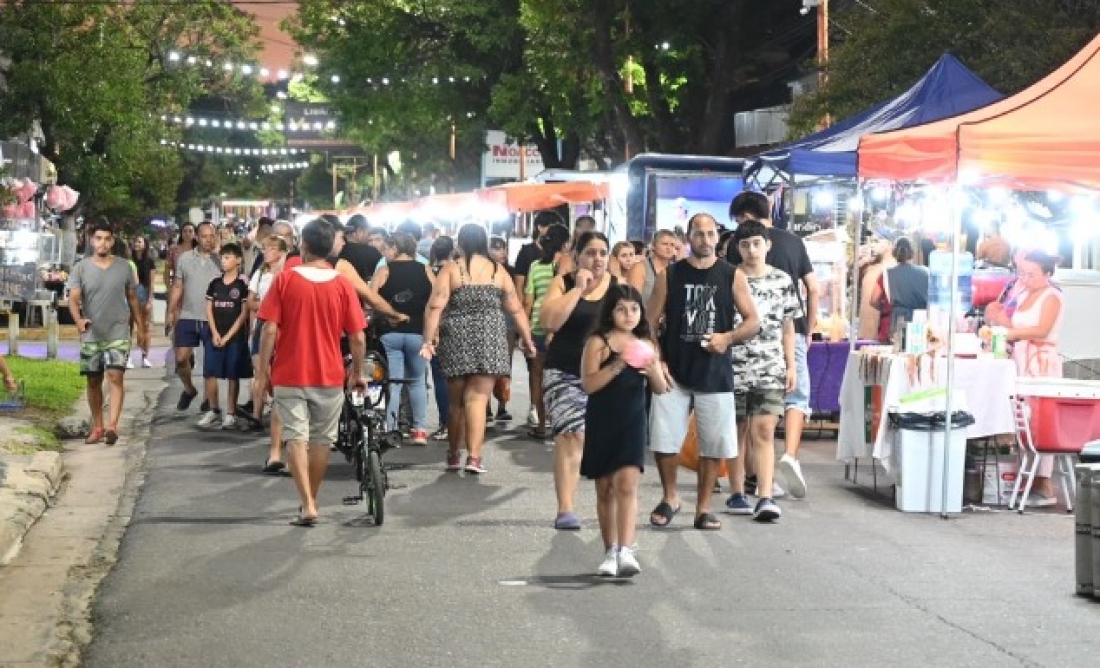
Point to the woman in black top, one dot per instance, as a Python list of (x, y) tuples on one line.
[(145, 263), (407, 285), (569, 312)]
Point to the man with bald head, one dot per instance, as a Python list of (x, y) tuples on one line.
[(698, 298)]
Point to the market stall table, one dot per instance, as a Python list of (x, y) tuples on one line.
[(987, 385)]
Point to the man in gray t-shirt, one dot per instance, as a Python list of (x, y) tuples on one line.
[(102, 297), (195, 269)]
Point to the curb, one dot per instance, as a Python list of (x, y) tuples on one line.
[(25, 494)]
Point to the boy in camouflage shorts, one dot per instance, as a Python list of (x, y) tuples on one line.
[(764, 370)]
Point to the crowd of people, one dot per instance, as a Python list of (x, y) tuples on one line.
[(624, 344)]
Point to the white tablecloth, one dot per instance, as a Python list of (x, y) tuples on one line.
[(987, 384)]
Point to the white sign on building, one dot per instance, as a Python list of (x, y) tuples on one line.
[(501, 159)]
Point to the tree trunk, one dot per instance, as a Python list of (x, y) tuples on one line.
[(609, 72)]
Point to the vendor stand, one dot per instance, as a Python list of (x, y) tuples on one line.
[(1008, 144), (33, 259)]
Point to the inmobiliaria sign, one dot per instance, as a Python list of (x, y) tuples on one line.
[(501, 158)]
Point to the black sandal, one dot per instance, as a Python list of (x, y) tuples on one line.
[(707, 522), (538, 433), (665, 511), (273, 468)]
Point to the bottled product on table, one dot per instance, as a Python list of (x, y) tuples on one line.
[(939, 283)]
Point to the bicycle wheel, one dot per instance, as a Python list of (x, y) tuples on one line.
[(377, 485), (362, 467)]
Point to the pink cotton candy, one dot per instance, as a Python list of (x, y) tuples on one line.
[(638, 354)]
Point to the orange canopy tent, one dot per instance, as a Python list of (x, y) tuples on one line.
[(1048, 134), (524, 197)]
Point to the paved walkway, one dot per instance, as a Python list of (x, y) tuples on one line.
[(467, 571)]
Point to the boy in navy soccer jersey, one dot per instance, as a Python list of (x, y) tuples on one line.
[(227, 355)]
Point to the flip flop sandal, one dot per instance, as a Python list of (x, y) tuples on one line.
[(538, 434), (707, 522), (567, 522), (664, 510), (273, 468), (302, 521)]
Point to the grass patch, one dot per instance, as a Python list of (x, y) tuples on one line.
[(51, 386), (29, 440)]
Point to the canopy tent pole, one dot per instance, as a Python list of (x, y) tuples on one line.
[(857, 298), (956, 195)]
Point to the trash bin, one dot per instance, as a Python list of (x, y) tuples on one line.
[(920, 449), (1090, 453), (1086, 475)]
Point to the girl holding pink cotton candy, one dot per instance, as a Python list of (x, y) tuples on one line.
[(619, 361)]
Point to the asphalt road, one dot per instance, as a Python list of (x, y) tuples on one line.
[(467, 571)]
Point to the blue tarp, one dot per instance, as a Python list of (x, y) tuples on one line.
[(948, 89)]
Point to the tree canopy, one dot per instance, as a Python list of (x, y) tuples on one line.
[(96, 78), (884, 46), (606, 77)]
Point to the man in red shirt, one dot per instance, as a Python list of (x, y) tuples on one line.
[(307, 309)]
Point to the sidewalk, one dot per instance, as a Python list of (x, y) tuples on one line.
[(69, 526), (28, 482)]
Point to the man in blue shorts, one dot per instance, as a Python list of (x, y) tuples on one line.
[(195, 269)]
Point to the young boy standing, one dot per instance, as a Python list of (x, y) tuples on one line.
[(228, 357), (764, 370)]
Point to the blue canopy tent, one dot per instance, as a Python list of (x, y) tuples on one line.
[(947, 89)]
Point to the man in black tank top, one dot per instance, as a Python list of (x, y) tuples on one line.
[(696, 297)]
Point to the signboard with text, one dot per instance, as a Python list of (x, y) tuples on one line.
[(501, 158)]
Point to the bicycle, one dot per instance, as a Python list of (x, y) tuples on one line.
[(362, 438)]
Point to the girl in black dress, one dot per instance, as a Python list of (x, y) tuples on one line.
[(619, 359)]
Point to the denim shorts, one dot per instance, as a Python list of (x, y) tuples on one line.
[(799, 398)]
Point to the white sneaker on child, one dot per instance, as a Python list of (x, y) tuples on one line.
[(609, 567), (628, 562)]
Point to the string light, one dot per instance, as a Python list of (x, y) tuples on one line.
[(241, 124), (231, 150), (244, 170), (284, 166), (177, 58)]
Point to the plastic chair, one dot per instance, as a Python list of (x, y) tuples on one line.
[(1030, 454)]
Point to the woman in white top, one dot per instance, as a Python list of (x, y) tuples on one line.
[(275, 249), (1033, 330)]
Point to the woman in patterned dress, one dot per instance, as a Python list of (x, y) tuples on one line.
[(465, 325)]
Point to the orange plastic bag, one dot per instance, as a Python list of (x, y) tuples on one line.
[(689, 452)]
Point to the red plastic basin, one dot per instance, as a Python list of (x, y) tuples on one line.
[(1060, 424)]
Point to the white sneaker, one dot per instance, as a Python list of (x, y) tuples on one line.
[(129, 363), (533, 417), (609, 568), (209, 419), (792, 471), (628, 562), (229, 422), (777, 491), (145, 363)]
